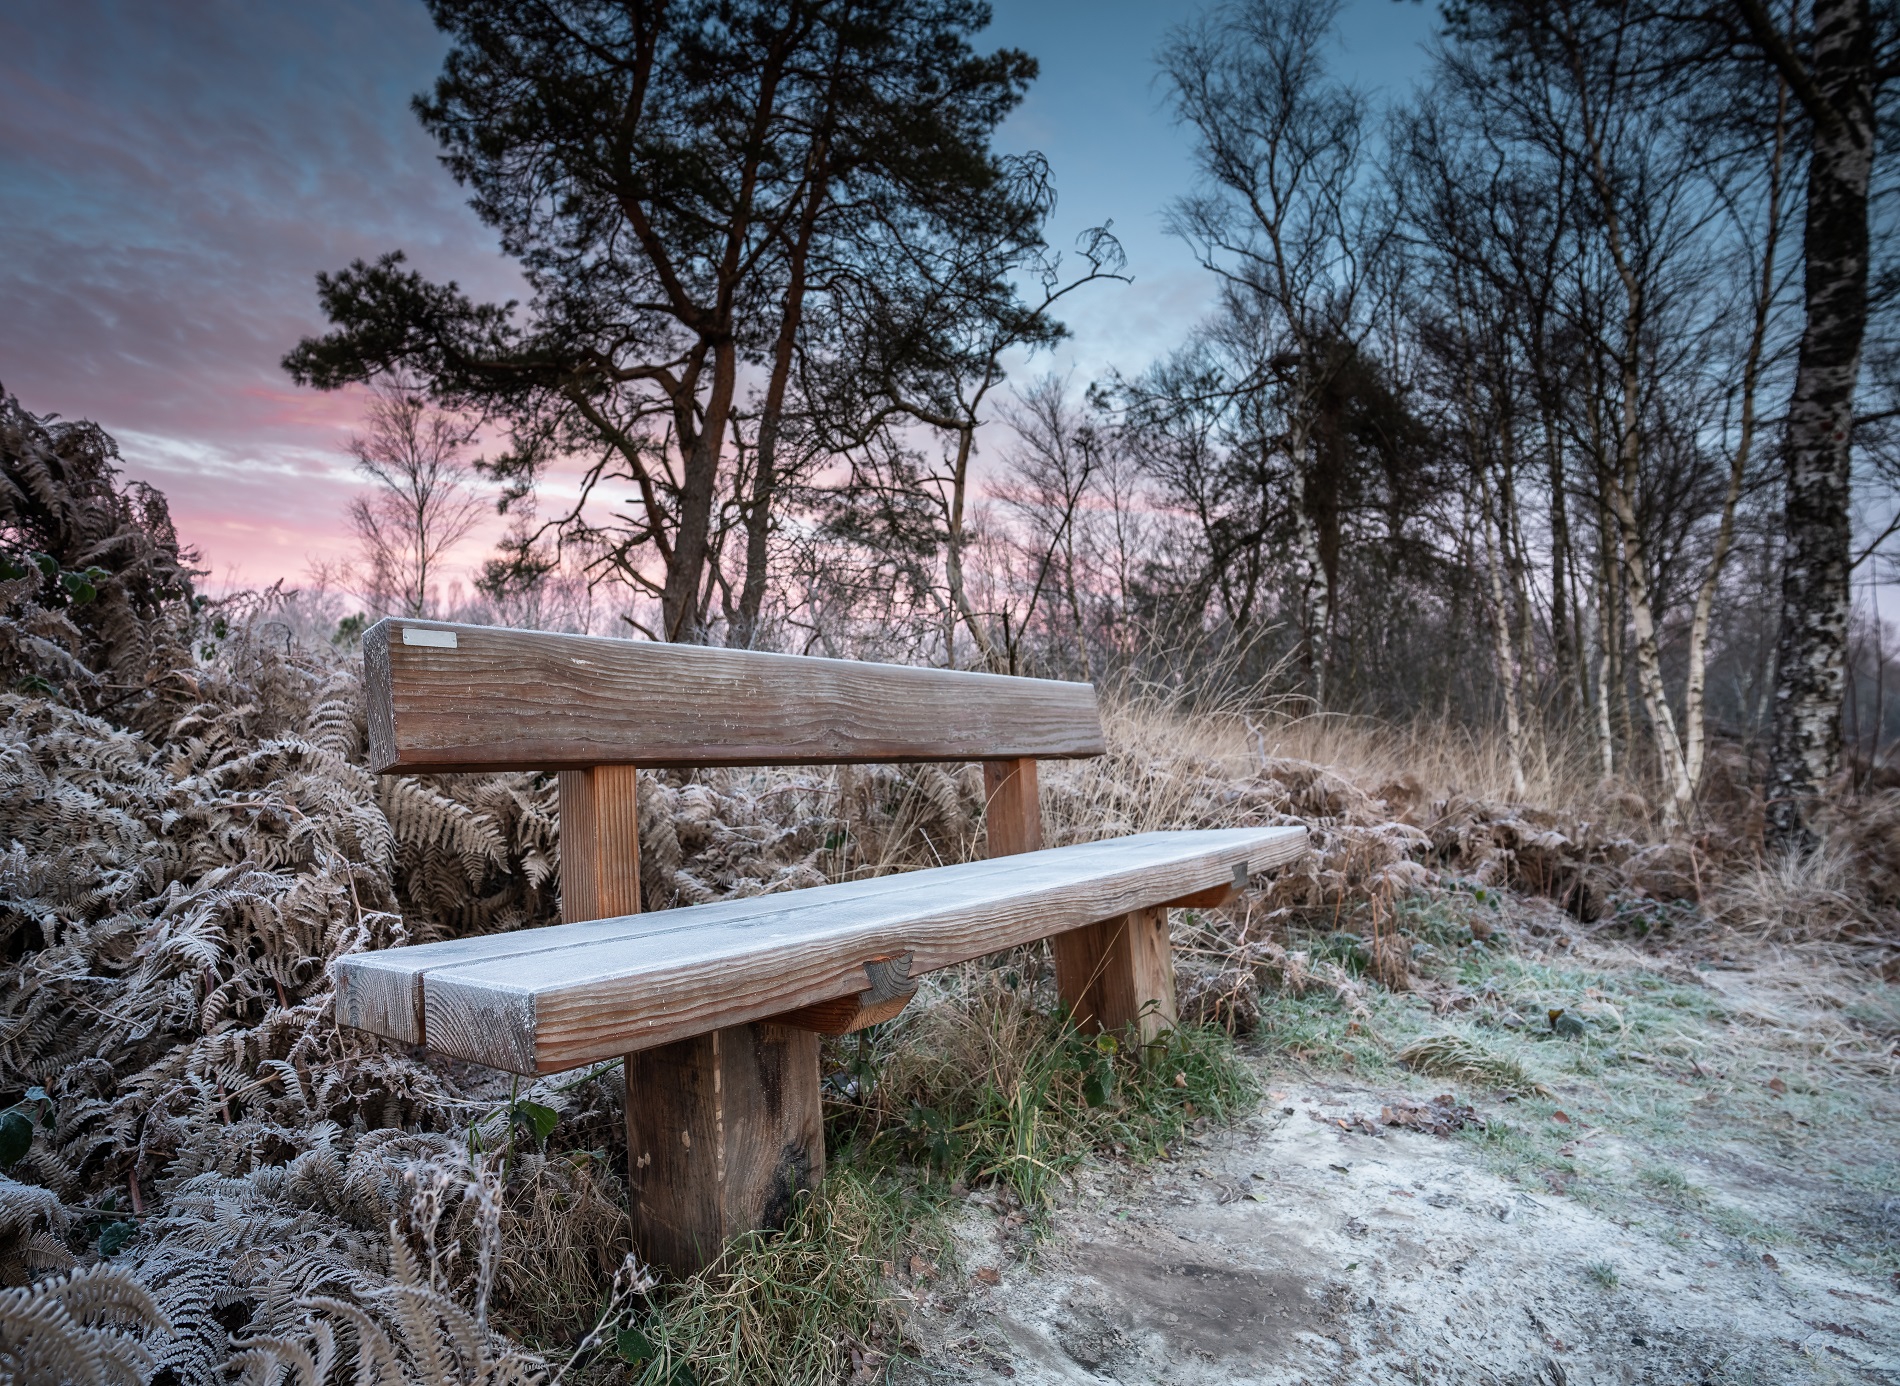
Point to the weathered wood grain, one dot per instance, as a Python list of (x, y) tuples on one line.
[(382, 991), (1012, 814), (530, 700), (675, 973), (723, 1129), (1118, 974), (1214, 897), (723, 1132), (600, 843)]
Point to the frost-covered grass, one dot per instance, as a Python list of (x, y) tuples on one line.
[(1743, 1094)]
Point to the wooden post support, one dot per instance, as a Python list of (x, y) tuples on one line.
[(1117, 974), (1013, 816), (600, 843), (722, 1129)]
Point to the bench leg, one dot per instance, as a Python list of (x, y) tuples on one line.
[(1118, 975), (723, 1130)]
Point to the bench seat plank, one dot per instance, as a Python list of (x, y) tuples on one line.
[(544, 1000)]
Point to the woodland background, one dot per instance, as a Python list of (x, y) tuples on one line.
[(1501, 420)]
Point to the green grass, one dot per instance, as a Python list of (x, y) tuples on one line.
[(985, 1088), (793, 1306)]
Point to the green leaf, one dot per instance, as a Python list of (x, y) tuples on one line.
[(16, 1137), (634, 1347), (115, 1235), (1099, 1087), (535, 1118)]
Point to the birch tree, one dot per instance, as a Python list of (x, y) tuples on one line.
[(1282, 220), (1837, 64)]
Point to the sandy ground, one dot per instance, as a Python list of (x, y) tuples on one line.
[(1288, 1249)]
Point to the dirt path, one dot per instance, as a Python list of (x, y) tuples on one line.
[(1289, 1250), (1706, 1189)]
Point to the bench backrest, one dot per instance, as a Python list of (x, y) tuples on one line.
[(452, 697)]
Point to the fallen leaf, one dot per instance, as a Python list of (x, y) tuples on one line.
[(1770, 1261), (1777, 1087), (1180, 1080), (1855, 1294), (1560, 1116), (989, 1275)]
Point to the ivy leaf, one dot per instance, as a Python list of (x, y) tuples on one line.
[(115, 1235), (634, 1347), (16, 1137)]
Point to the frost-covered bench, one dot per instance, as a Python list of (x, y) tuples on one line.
[(718, 1008)]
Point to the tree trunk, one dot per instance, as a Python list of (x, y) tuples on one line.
[(1640, 594), (765, 475), (1314, 588), (680, 598), (1609, 640), (1508, 670), (953, 558), (1563, 646), (1694, 686), (1811, 653)]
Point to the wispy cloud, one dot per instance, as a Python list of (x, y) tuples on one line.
[(172, 178)]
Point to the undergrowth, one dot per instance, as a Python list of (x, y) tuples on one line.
[(985, 1085)]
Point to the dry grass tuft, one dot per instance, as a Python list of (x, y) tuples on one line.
[(1795, 897), (1454, 1056)]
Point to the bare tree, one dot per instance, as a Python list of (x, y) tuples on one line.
[(1281, 219), (422, 504)]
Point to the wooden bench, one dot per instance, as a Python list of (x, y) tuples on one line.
[(717, 1009)]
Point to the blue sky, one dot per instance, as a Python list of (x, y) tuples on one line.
[(1100, 115), (173, 175)]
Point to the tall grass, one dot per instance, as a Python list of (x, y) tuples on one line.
[(1168, 760), (988, 1087)]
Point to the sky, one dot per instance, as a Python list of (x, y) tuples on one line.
[(173, 175)]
